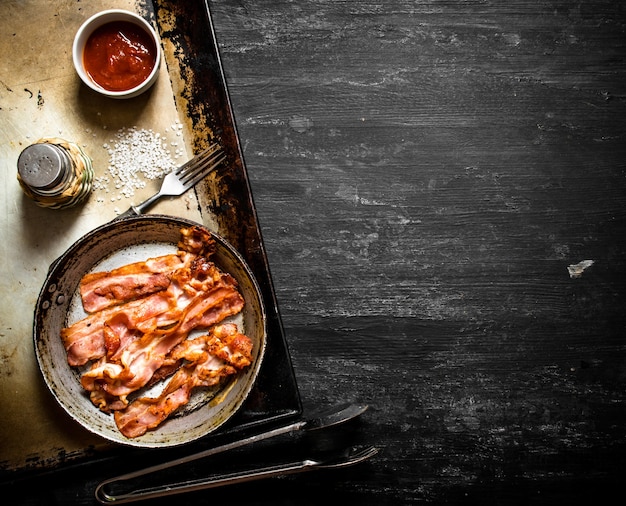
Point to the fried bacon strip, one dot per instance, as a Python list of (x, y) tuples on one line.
[(208, 359), (137, 328), (101, 290)]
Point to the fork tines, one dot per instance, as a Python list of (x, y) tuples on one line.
[(200, 165), (197, 159)]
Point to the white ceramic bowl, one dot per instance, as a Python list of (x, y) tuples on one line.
[(98, 20)]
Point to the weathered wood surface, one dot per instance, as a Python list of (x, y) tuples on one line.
[(424, 174)]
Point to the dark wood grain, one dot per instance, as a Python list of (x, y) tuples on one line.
[(424, 172)]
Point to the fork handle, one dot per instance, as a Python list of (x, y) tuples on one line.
[(138, 210), (126, 214), (146, 204)]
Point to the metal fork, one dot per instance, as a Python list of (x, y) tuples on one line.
[(348, 457), (182, 179)]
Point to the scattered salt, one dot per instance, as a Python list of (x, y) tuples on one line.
[(134, 156)]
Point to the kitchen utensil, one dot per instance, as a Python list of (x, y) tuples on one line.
[(118, 243), (343, 458), (324, 420)]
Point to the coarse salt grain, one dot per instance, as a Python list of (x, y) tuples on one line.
[(100, 183)]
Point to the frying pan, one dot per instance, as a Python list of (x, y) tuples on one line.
[(112, 245)]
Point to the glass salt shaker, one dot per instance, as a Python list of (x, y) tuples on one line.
[(55, 173)]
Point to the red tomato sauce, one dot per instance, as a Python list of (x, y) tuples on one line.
[(119, 55)]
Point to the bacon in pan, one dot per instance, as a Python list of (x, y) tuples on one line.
[(189, 301), (137, 332), (143, 356), (207, 360)]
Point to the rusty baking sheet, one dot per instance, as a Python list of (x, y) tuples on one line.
[(40, 95)]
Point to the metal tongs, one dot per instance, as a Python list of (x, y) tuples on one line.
[(346, 457)]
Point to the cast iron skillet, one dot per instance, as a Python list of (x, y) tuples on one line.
[(117, 243)]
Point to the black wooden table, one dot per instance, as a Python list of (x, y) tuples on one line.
[(441, 189)]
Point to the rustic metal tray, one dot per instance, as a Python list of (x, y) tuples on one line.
[(192, 92)]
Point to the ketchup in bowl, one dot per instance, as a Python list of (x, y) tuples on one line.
[(119, 55)]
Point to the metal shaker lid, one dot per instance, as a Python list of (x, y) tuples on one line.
[(43, 166)]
